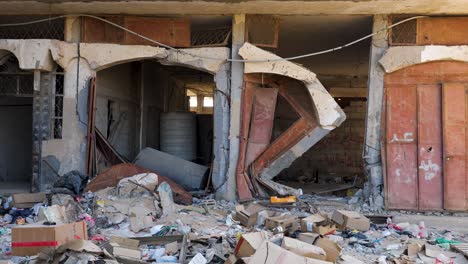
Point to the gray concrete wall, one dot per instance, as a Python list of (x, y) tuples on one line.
[(117, 94), (15, 139)]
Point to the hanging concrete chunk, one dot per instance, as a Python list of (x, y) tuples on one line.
[(315, 123), (189, 175)]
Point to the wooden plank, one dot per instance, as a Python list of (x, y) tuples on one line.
[(454, 136), (401, 149), (430, 147), (462, 248)]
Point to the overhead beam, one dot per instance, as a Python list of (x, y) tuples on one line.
[(217, 7)]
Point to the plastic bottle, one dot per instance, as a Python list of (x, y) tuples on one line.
[(422, 230)]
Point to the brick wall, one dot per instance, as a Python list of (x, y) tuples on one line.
[(339, 154)]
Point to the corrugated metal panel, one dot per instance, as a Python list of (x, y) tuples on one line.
[(429, 147), (454, 123), (402, 183)]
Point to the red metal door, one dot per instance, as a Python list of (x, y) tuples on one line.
[(402, 182), (454, 136), (430, 101), (429, 147)]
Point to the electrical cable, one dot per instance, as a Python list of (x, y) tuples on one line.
[(212, 58)]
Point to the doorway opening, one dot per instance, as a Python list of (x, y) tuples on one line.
[(159, 117), (16, 114), (334, 164)]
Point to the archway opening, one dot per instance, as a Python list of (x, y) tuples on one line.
[(16, 114), (145, 104)]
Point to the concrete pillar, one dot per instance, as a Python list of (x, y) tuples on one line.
[(237, 74), (200, 98), (372, 147), (221, 115), (72, 29)]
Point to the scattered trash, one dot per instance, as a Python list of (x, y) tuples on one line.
[(143, 218)]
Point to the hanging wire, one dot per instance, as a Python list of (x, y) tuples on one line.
[(207, 57)]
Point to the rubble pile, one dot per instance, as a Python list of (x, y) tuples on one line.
[(138, 221)]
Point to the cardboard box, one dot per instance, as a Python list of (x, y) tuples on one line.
[(303, 249), (29, 240), (324, 230), (248, 244), (234, 260), (287, 222), (247, 215), (308, 223), (331, 248), (351, 220), (269, 253), (28, 200), (308, 237)]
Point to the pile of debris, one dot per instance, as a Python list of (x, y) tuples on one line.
[(145, 218)]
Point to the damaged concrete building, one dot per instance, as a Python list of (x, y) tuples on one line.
[(254, 97)]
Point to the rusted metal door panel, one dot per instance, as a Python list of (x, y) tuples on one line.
[(401, 149), (429, 147), (454, 137), (244, 186), (263, 115)]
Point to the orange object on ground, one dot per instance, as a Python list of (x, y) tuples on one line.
[(287, 199)]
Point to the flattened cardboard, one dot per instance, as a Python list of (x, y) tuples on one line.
[(124, 242), (303, 249), (247, 215), (269, 253), (308, 223), (308, 237), (248, 244), (287, 222), (331, 248), (29, 240), (351, 220), (131, 253)]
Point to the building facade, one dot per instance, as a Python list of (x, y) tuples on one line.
[(286, 97)]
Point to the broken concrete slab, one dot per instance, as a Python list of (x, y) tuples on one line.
[(329, 114), (189, 175)]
